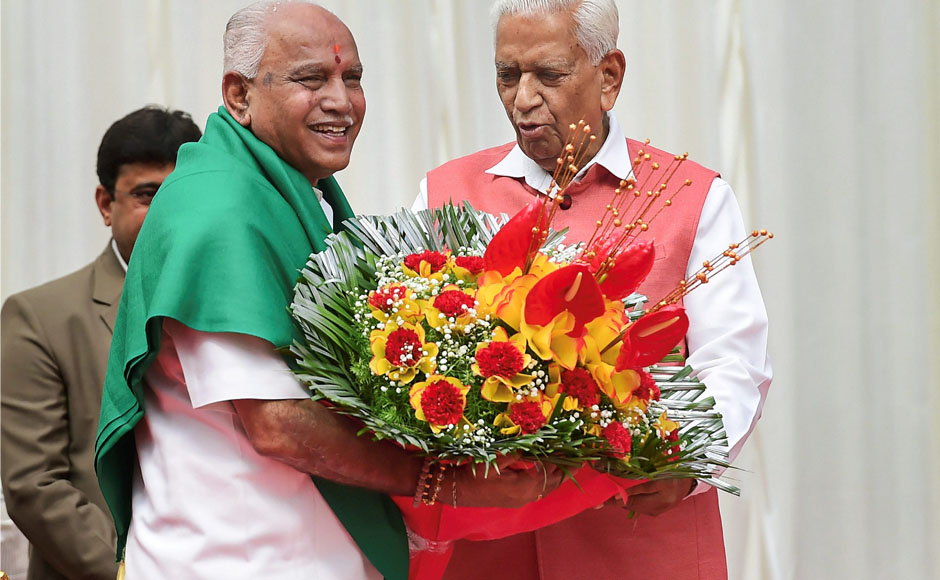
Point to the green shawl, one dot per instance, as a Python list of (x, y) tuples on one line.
[(220, 251)]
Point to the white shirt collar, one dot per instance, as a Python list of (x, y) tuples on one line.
[(118, 254), (613, 156)]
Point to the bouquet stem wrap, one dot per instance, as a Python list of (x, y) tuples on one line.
[(438, 526)]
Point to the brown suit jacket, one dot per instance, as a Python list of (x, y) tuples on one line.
[(54, 343)]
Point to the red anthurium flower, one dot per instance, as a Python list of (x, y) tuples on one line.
[(596, 255), (652, 337), (512, 244), (631, 266), (570, 288)]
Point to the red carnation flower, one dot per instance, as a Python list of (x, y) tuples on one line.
[(528, 416), (380, 298), (673, 437), (618, 437), (453, 303), (500, 359), (403, 347), (579, 383), (442, 403), (648, 390), (474, 264), (435, 259)]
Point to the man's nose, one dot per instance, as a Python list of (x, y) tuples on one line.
[(528, 95), (336, 97)]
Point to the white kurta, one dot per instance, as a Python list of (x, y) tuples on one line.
[(206, 504)]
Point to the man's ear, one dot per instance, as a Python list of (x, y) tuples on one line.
[(103, 200), (613, 67), (235, 96)]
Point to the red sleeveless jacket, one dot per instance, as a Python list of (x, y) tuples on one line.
[(685, 542)]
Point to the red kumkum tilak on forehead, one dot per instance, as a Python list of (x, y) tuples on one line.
[(336, 52)]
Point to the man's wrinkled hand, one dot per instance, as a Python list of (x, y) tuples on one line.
[(508, 488), (653, 498)]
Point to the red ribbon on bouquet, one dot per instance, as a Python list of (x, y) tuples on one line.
[(439, 525)]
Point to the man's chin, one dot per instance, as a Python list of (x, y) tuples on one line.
[(546, 162), (543, 154), (326, 164)]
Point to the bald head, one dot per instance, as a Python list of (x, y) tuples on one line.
[(247, 31), (299, 92)]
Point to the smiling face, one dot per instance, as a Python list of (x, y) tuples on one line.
[(547, 82), (306, 102)]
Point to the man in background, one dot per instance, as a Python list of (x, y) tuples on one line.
[(557, 62), (54, 345)]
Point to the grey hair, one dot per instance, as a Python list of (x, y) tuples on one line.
[(246, 37), (597, 22)]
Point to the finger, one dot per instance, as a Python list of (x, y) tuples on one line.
[(642, 500), (634, 493), (645, 504), (548, 468), (646, 487)]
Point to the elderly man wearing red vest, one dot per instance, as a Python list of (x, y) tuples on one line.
[(556, 63)]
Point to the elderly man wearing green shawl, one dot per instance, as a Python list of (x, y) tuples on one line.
[(206, 442)]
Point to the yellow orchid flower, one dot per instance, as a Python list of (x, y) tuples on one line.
[(618, 385), (602, 331), (505, 295), (552, 342), (664, 426)]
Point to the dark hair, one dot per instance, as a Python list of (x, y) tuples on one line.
[(149, 135)]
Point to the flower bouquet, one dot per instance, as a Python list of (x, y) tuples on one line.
[(468, 337)]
